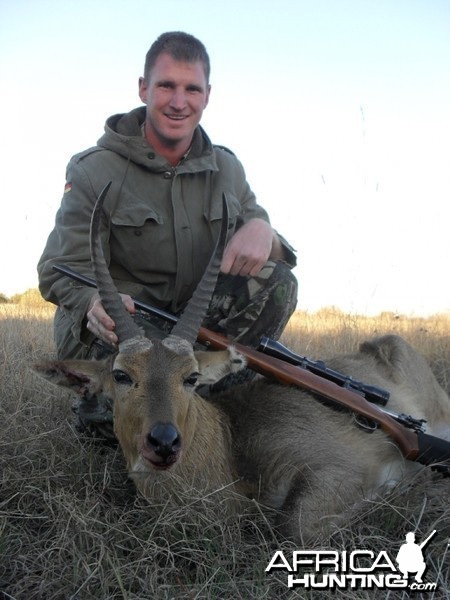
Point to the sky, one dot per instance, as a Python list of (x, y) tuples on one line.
[(338, 110)]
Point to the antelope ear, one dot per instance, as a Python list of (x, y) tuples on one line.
[(81, 376), (215, 365)]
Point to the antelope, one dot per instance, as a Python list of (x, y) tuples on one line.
[(275, 444)]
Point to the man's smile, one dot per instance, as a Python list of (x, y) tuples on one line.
[(176, 117)]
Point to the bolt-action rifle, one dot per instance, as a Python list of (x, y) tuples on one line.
[(274, 360)]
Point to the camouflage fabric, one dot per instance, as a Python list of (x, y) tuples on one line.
[(95, 417), (246, 308)]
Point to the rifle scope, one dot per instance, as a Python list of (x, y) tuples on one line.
[(371, 393)]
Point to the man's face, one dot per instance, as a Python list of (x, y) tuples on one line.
[(175, 95)]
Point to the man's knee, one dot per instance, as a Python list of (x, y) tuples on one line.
[(247, 307)]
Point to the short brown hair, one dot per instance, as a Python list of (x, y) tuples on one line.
[(180, 46)]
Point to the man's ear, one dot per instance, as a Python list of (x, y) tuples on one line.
[(81, 376), (208, 92), (143, 87)]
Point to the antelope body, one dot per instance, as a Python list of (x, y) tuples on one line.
[(263, 440)]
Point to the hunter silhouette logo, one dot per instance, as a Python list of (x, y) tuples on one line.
[(410, 557), (359, 569)]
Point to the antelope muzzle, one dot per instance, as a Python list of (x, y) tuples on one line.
[(161, 447)]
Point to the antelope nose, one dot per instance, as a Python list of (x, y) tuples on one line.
[(164, 440)]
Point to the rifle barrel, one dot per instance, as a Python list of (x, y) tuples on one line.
[(84, 279)]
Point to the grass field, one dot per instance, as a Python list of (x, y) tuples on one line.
[(72, 526)]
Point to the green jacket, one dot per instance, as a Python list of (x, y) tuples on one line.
[(164, 220)]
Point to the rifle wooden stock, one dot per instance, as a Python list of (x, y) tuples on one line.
[(406, 439)]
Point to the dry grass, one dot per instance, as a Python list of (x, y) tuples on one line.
[(72, 527)]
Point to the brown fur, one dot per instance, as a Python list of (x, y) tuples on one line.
[(274, 443)]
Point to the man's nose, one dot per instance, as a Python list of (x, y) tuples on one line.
[(178, 99)]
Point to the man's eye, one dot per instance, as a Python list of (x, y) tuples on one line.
[(121, 377)]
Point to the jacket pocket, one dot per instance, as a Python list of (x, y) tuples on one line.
[(141, 241), (135, 216)]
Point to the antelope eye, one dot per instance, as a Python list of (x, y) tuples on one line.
[(191, 381), (121, 377)]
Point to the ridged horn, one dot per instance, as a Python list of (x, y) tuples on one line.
[(189, 323), (125, 328)]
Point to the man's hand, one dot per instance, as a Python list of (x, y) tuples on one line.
[(100, 323), (250, 248)]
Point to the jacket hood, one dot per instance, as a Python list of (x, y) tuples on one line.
[(123, 134)]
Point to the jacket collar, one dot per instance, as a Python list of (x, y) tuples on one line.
[(123, 135)]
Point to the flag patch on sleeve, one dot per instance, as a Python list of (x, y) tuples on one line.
[(68, 187)]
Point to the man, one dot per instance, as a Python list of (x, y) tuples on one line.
[(164, 208)]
